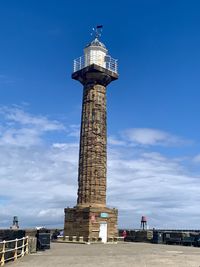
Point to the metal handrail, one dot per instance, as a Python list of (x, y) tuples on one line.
[(23, 248), (109, 63)]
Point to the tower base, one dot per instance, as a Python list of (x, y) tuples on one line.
[(91, 222)]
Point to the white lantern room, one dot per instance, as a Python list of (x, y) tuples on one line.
[(95, 53)]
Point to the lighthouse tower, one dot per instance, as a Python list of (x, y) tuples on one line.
[(91, 218)]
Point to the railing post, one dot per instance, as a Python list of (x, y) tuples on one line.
[(15, 255), (3, 253), (23, 245), (26, 251)]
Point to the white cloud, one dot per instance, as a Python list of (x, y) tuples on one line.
[(147, 136), (20, 137), (156, 186), (35, 179), (74, 130), (22, 129), (112, 140), (17, 115)]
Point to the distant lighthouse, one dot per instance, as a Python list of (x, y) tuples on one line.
[(90, 218)]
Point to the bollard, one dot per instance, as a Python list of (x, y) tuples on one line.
[(80, 238), (32, 244), (67, 238), (74, 238), (115, 239)]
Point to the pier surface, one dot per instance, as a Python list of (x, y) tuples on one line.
[(112, 255)]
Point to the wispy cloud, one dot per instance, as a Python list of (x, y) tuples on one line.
[(22, 129), (5, 80), (147, 137), (17, 115), (196, 159), (150, 137), (112, 140), (75, 130)]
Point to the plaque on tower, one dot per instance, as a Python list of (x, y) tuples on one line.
[(94, 70), (104, 215)]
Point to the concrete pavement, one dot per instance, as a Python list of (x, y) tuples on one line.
[(112, 255)]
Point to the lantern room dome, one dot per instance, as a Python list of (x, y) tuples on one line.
[(96, 42)]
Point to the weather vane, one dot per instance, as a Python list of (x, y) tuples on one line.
[(97, 31)]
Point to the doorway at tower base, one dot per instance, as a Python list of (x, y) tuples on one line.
[(98, 223)]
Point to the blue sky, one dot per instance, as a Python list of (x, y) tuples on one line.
[(153, 129)]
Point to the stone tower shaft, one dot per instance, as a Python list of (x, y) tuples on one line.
[(92, 156), (93, 136)]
